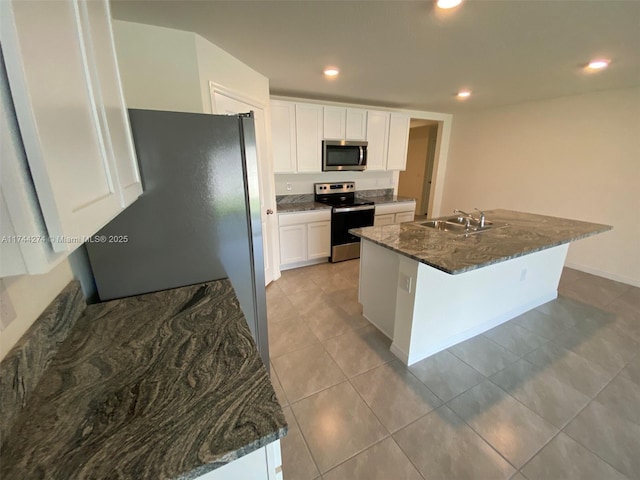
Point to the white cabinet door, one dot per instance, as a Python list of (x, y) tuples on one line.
[(386, 219), (309, 137), (60, 75), (293, 244), (356, 125), (283, 136), (404, 217), (319, 240), (334, 123), (114, 120), (377, 136), (398, 141), (342, 123)]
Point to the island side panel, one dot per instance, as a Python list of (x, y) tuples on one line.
[(378, 283), (448, 309)]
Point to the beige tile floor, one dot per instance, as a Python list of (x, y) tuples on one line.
[(552, 394)]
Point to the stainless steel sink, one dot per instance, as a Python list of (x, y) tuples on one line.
[(445, 226), (459, 225), (460, 220)]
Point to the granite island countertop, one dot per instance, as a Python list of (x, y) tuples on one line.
[(452, 253), (159, 386)]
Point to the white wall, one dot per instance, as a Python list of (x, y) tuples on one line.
[(575, 157), (158, 67), (28, 296), (216, 65)]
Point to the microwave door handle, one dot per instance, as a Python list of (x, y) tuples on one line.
[(361, 155)]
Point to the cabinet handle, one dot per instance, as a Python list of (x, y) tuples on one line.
[(269, 211)]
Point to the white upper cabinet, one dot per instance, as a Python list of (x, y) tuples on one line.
[(309, 137), (112, 110), (334, 123), (342, 123), (356, 128), (62, 70), (299, 128), (283, 136), (378, 139), (398, 141)]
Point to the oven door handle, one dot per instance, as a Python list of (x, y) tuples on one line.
[(353, 209)]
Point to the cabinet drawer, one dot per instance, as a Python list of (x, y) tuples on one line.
[(395, 207), (386, 219), (296, 218)]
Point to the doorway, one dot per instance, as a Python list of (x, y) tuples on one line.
[(416, 180)]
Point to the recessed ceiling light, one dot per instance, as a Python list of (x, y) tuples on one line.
[(464, 94), (598, 64), (331, 71), (448, 3)]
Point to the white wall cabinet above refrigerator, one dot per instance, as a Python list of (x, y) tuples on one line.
[(62, 71), (299, 128)]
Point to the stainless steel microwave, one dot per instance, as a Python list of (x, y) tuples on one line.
[(343, 155)]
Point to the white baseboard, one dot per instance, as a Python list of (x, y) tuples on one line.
[(378, 327), (306, 263), (600, 273), (401, 354), (472, 332)]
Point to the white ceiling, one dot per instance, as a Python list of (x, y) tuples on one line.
[(404, 54)]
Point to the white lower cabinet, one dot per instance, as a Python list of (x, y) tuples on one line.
[(405, 216), (293, 244), (385, 219), (390, 213), (305, 238), (262, 464), (318, 240)]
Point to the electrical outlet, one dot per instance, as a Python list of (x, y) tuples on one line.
[(523, 275), (289, 187), (405, 282)]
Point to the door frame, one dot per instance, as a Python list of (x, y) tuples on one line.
[(270, 203)]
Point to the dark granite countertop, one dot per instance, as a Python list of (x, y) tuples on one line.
[(158, 386), (383, 199), (453, 253), (301, 207), (305, 203)]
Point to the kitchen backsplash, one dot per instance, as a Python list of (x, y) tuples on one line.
[(378, 192), (308, 197)]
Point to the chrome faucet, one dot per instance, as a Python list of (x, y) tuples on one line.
[(463, 213), (482, 217), (468, 216)]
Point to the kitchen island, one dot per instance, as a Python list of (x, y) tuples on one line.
[(428, 290)]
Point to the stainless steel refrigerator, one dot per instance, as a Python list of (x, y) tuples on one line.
[(198, 218)]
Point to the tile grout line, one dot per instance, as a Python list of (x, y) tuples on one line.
[(593, 399), (584, 446), (304, 439)]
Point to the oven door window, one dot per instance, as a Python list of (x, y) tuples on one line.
[(342, 222)]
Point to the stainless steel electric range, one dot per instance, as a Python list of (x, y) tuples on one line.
[(346, 213)]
